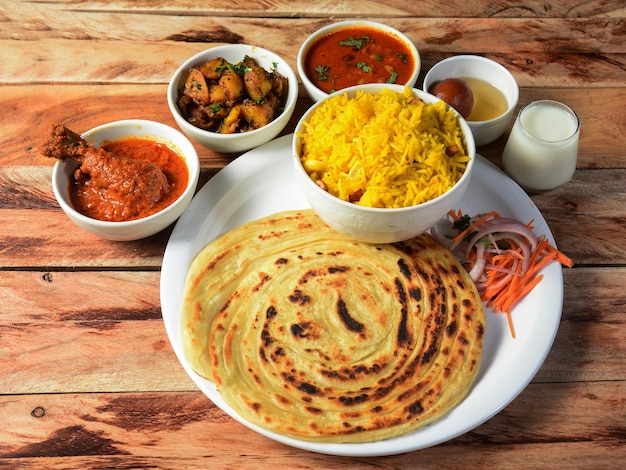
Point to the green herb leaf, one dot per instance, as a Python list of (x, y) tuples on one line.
[(356, 43), (393, 77), (322, 73), (363, 66), (486, 242), (240, 68), (462, 223)]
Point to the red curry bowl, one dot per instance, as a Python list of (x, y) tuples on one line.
[(138, 228), (356, 52)]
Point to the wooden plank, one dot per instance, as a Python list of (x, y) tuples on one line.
[(335, 9), (578, 34), (579, 421), (90, 356), (592, 332), (584, 217), (45, 60), (48, 238), (76, 107), (74, 300), (57, 337), (598, 455), (147, 48)]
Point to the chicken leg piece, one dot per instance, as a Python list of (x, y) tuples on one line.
[(122, 182)]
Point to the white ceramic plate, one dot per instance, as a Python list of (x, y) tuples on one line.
[(260, 183)]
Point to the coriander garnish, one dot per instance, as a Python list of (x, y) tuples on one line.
[(356, 43), (393, 77), (322, 73)]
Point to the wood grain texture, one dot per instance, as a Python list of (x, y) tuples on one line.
[(75, 345), (603, 125), (88, 378), (585, 50), (337, 8), (34, 225), (122, 429)]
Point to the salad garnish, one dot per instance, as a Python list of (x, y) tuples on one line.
[(503, 256)]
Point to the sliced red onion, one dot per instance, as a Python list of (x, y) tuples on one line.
[(506, 228), (479, 265), (443, 232)]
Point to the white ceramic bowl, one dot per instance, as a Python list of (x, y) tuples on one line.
[(492, 72), (133, 229), (314, 92), (239, 142), (380, 225)]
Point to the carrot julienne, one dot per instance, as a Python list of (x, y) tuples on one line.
[(503, 256)]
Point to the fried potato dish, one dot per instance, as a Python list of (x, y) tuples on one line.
[(219, 96)]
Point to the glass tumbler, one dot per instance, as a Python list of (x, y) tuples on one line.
[(542, 149)]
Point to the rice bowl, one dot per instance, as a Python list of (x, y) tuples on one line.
[(371, 220)]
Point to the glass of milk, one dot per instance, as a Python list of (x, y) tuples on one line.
[(542, 149)]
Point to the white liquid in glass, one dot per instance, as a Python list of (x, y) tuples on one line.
[(542, 149)]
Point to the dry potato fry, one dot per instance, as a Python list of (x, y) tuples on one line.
[(222, 97), (196, 87)]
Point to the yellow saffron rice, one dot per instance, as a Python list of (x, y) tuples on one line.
[(384, 150)]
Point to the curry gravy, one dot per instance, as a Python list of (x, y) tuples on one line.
[(356, 55), (94, 201)]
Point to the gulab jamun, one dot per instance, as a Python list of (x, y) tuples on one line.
[(456, 92)]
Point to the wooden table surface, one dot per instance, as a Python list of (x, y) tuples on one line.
[(87, 375)]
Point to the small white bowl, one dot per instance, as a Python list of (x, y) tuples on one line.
[(492, 72), (380, 225), (314, 92), (139, 228), (239, 142)]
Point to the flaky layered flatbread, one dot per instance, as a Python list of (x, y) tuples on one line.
[(310, 334)]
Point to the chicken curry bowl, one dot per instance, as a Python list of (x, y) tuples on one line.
[(220, 96), (124, 180)]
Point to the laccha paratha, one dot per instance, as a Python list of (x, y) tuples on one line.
[(312, 335)]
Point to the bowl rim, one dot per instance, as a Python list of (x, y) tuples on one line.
[(194, 173), (173, 88), (474, 57), (429, 99), (310, 40)]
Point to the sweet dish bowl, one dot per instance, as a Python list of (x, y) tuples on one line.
[(503, 89)]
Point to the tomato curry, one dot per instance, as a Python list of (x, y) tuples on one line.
[(96, 201), (357, 55)]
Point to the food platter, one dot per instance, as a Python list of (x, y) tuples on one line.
[(261, 182)]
